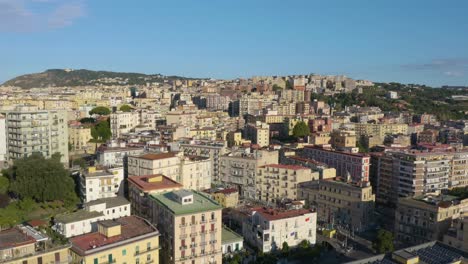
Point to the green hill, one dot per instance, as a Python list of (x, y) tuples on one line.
[(61, 78)]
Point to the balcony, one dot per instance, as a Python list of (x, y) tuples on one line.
[(148, 250)]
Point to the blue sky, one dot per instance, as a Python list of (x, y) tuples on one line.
[(406, 41)]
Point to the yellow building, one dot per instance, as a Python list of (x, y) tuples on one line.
[(79, 136), (320, 139), (225, 197), (234, 139), (124, 240), (343, 139), (23, 244), (380, 130), (203, 133)]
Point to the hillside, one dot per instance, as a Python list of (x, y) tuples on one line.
[(60, 78)]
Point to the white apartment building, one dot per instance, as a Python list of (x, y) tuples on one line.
[(30, 130), (112, 208), (97, 184), (116, 154), (268, 229), (77, 223), (259, 133), (123, 122), (195, 173)]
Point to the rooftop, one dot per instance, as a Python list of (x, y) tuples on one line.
[(77, 216), (153, 182), (275, 214), (14, 237), (287, 167), (158, 156), (429, 253), (229, 236), (201, 203), (110, 202), (131, 227)]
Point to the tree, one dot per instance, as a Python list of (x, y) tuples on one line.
[(301, 130), (41, 179), (100, 110), (384, 241), (103, 129), (126, 108), (4, 184), (285, 248), (87, 120)]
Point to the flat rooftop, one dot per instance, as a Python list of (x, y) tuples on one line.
[(201, 203), (110, 202), (229, 236), (287, 167), (131, 227), (14, 237), (77, 216), (157, 156), (148, 183), (275, 214)]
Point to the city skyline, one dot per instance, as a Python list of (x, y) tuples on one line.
[(417, 42)]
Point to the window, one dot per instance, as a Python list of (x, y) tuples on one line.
[(57, 257), (148, 257), (203, 217), (212, 216), (193, 219), (137, 249), (25, 262), (137, 261), (212, 227), (148, 246), (183, 220), (124, 252), (96, 261)]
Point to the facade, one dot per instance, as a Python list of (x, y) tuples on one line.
[(116, 155), (457, 235), (79, 136), (195, 173), (124, 240), (240, 170), (225, 197), (123, 122), (24, 244), (190, 225), (167, 164), (30, 130), (141, 187), (268, 229), (426, 218), (340, 202), (103, 183), (413, 173), (353, 164), (379, 130), (277, 181), (231, 242), (77, 223), (258, 133), (3, 141), (112, 208)]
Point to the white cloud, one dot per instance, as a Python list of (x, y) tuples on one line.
[(20, 16), (454, 73)]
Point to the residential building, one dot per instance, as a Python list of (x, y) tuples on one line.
[(320, 139), (379, 130), (457, 235), (190, 225), (101, 183), (430, 252), (116, 154), (123, 122), (259, 133), (240, 169), (30, 130), (77, 223), (24, 244), (124, 240), (276, 182), (343, 140), (355, 165), (78, 137), (340, 202), (112, 208), (425, 218), (231, 242), (267, 228), (195, 173), (141, 187), (3, 141), (228, 197)]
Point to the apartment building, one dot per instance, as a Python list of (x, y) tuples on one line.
[(317, 125), (258, 133), (116, 154), (276, 182), (190, 225), (379, 130), (3, 141), (30, 130), (356, 165), (101, 183), (123, 122), (124, 240), (208, 149), (78, 137), (240, 170), (412, 173), (195, 173), (228, 197), (267, 228), (167, 164), (343, 140), (426, 218), (340, 202), (141, 187), (319, 139), (24, 244), (457, 235)]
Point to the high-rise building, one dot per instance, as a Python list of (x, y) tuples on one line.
[(30, 130)]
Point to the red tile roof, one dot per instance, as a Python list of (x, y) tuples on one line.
[(275, 214), (14, 237), (141, 182)]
